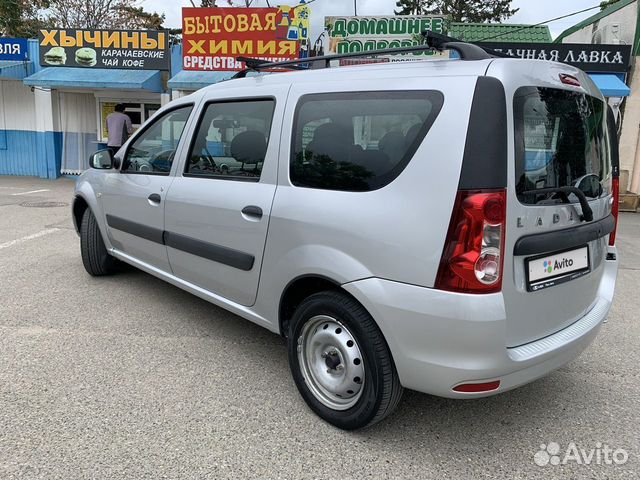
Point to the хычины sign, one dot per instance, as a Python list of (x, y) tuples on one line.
[(88, 48)]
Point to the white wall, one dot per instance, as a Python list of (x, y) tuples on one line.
[(630, 123), (17, 106), (27, 141), (625, 17)]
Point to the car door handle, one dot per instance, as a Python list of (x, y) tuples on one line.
[(252, 211), (155, 198)]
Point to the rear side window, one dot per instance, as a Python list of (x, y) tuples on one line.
[(358, 141), (561, 141)]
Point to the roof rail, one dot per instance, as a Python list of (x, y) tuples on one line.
[(433, 41)]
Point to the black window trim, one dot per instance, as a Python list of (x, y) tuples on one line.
[(486, 146), (146, 127), (518, 132), (437, 104), (614, 142), (203, 112)]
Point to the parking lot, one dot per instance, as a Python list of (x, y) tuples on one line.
[(130, 377)]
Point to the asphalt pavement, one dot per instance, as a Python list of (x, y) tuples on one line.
[(130, 377)]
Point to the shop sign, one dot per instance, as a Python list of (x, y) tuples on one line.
[(360, 34), (213, 38), (89, 48), (587, 57), (13, 49)]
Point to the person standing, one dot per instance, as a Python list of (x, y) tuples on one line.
[(119, 128)]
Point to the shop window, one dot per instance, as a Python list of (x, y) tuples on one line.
[(152, 152), (138, 113), (231, 141)]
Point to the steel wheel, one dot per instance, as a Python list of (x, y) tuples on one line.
[(340, 361), (331, 362)]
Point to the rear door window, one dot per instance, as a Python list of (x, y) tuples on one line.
[(231, 140), (561, 141), (358, 141)]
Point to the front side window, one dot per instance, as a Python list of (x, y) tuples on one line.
[(358, 141), (231, 141), (152, 152), (561, 141)]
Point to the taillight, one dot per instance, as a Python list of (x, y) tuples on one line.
[(472, 258), (614, 208)]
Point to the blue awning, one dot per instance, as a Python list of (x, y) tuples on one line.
[(98, 78), (610, 85), (15, 69), (192, 80)]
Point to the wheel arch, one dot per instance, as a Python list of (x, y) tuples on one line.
[(78, 208), (85, 198), (300, 288)]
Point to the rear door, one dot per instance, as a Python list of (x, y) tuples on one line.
[(561, 153), (218, 208)]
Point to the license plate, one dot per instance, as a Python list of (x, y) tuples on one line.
[(556, 268)]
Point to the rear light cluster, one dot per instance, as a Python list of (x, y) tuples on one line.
[(615, 208), (472, 258)]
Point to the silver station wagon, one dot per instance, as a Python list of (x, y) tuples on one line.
[(444, 226)]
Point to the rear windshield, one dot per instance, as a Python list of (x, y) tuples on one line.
[(561, 140), (358, 141)]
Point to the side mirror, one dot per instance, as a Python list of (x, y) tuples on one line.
[(102, 160)]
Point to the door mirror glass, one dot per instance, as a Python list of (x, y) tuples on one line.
[(102, 160)]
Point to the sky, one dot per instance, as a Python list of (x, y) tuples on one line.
[(531, 11)]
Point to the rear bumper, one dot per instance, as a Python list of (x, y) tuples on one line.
[(440, 339)]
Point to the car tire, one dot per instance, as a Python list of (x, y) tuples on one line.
[(330, 329), (95, 258)]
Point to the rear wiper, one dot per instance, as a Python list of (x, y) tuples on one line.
[(587, 213)]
